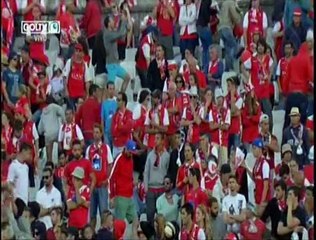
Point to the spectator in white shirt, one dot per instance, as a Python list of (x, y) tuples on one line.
[(48, 197), (18, 174), (234, 206)]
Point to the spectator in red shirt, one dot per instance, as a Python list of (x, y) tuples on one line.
[(298, 79), (92, 20), (165, 15), (100, 157), (90, 113), (78, 203), (78, 161), (122, 125), (252, 227), (196, 196), (121, 186), (77, 79), (282, 71), (28, 6), (250, 117)]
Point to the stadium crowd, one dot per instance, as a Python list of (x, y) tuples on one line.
[(188, 149)]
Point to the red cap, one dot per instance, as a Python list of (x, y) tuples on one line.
[(297, 12), (79, 47)]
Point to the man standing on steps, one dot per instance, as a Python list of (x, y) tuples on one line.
[(121, 186), (110, 37), (100, 157)]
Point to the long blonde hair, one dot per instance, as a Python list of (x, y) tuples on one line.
[(206, 222)]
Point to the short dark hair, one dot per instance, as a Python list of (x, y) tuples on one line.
[(296, 191), (46, 169), (262, 42), (213, 200), (92, 89), (50, 165), (109, 83), (76, 142), (107, 20), (191, 146), (288, 42), (124, 97), (25, 146), (17, 125), (61, 152), (188, 207), (281, 184), (284, 169), (195, 172), (143, 95), (58, 210), (232, 176)]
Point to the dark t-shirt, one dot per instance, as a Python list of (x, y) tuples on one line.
[(298, 213)]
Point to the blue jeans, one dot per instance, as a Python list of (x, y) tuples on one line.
[(206, 40), (189, 44), (99, 200), (230, 45)]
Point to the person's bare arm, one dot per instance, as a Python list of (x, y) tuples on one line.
[(28, 8), (282, 230), (240, 217)]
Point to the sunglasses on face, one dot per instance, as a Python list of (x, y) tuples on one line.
[(179, 81), (193, 97), (45, 177)]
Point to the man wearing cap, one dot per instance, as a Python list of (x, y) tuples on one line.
[(157, 120), (191, 118), (296, 32), (260, 175), (297, 136), (286, 156), (76, 75), (220, 120), (78, 203), (122, 186), (158, 71), (145, 53), (12, 80)]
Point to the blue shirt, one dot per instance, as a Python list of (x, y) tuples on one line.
[(108, 109), (13, 81)]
